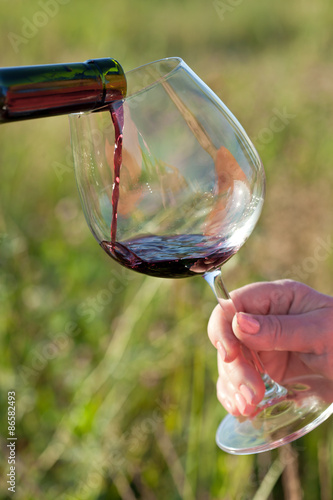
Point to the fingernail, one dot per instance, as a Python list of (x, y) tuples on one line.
[(248, 393), (241, 403), (247, 323), (221, 350)]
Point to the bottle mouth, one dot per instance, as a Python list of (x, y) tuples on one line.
[(145, 77)]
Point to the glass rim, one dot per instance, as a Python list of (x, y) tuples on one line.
[(179, 62)]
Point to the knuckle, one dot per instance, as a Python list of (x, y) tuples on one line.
[(275, 330)]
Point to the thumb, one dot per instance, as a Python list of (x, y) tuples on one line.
[(296, 333)]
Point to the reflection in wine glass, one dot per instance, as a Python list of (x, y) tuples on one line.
[(174, 189)]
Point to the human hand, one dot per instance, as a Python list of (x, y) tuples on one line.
[(289, 324)]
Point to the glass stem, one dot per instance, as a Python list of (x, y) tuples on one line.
[(273, 390)]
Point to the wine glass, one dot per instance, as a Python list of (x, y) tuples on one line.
[(171, 186)]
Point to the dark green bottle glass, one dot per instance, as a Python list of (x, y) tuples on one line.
[(54, 89)]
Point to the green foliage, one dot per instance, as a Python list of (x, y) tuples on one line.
[(113, 372)]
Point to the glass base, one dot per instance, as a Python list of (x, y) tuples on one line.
[(307, 404)]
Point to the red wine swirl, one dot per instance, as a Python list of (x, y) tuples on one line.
[(176, 256)]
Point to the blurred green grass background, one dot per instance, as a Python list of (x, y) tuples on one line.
[(113, 372)]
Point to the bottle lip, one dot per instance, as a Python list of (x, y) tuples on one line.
[(152, 74)]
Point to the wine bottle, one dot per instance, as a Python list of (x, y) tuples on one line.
[(55, 89)]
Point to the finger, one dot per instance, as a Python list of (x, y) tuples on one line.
[(240, 385), (233, 401), (226, 400), (304, 333), (268, 297), (221, 335), (258, 298)]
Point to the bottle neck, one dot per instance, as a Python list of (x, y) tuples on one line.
[(36, 91)]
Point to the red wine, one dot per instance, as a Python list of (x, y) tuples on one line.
[(177, 256)]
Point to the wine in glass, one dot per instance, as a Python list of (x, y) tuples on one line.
[(171, 186)]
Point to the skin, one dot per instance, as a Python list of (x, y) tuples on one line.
[(287, 323)]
